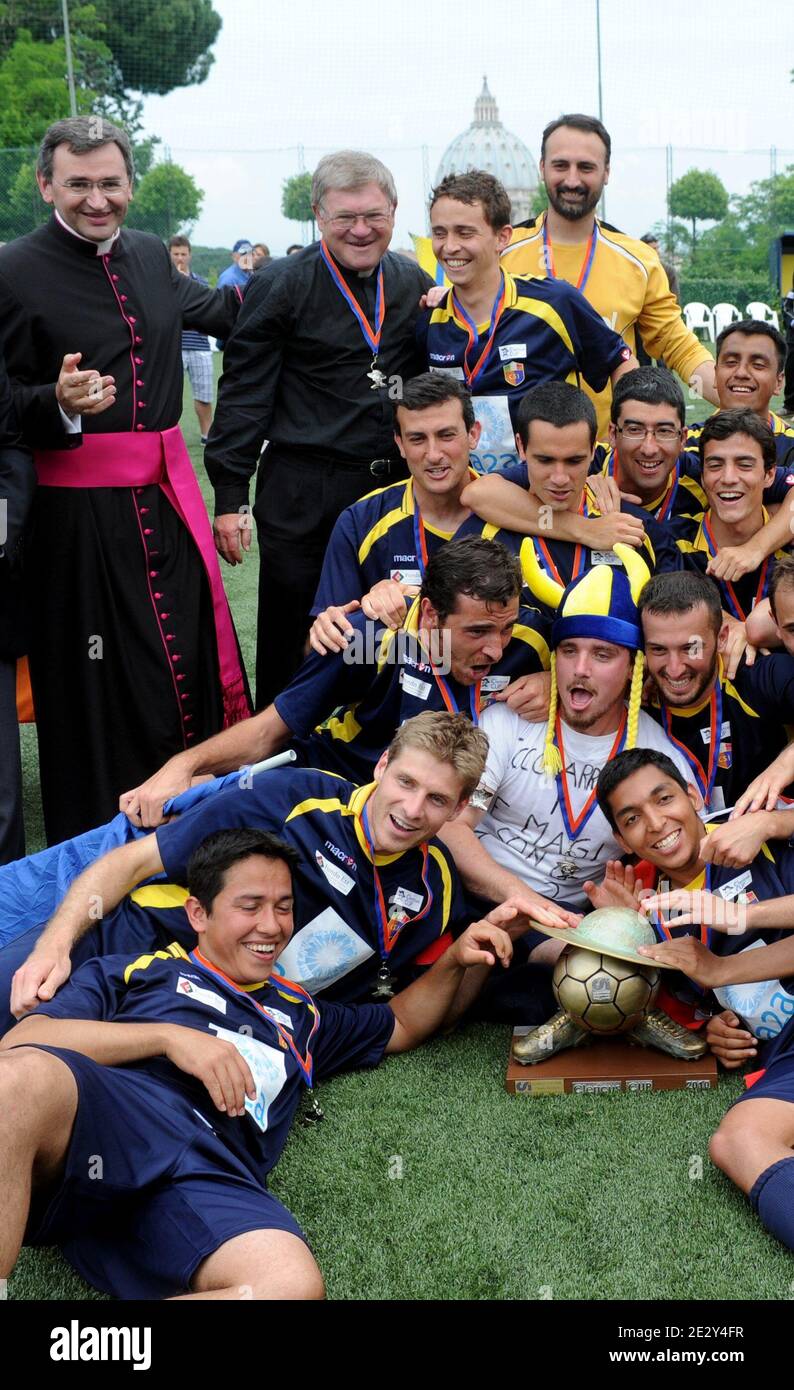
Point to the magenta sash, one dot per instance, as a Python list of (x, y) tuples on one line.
[(135, 460)]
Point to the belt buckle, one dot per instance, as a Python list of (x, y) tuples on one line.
[(380, 468)]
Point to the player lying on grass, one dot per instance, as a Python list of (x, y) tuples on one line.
[(653, 813), (376, 893), (143, 1107), (754, 1144)]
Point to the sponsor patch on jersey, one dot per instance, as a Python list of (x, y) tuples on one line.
[(605, 557), (406, 576), (509, 351), (337, 877), (490, 684), (201, 995), (405, 898), (725, 732), (412, 686), (735, 886)]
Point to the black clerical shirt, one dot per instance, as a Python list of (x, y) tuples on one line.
[(123, 311), (295, 369)]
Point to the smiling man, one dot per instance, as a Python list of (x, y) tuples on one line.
[(737, 452), (499, 334), (123, 587), (621, 277), (465, 640), (184, 1071), (751, 359), (323, 338), (727, 729)]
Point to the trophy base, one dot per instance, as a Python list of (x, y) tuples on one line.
[(609, 1064)]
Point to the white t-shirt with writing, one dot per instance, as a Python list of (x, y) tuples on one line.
[(524, 830)]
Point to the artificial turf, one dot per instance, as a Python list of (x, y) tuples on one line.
[(426, 1180)]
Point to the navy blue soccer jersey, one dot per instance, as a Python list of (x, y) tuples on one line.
[(546, 332), (384, 678), (695, 540), (382, 537), (336, 949), (286, 1038), (681, 497), (748, 714)]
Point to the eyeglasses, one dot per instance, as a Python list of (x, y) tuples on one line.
[(345, 221), (665, 434), (84, 186)]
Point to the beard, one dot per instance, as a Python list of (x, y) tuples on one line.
[(572, 212), (701, 686)]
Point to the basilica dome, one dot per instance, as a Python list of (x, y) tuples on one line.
[(487, 145)]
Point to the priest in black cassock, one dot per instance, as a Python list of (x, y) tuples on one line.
[(133, 653)]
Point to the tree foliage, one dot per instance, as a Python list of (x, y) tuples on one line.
[(167, 200), (296, 199), (698, 196)]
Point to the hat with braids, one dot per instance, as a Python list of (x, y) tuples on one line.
[(600, 604)]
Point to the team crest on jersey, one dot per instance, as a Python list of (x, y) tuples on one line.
[(513, 373), (725, 758)]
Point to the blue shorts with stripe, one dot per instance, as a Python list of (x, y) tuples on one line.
[(148, 1189)]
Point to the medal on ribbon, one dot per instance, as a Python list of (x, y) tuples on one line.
[(371, 332)]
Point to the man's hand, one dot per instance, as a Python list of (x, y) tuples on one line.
[(83, 393), (733, 561), (764, 791), (604, 532), (529, 696), (729, 1041), (607, 494), (735, 843), (688, 955), (620, 887), (433, 297), (698, 909), (330, 630), (518, 913), (736, 646), (232, 532), (143, 806), (483, 943), (216, 1063), (45, 970), (387, 603)]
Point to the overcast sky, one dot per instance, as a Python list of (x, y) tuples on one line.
[(712, 79)]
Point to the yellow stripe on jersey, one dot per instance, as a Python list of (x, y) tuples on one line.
[(380, 529), (730, 689), (539, 310), (533, 639), (160, 895), (172, 952), (446, 880)]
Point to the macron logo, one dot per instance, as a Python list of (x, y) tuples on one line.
[(76, 1343)]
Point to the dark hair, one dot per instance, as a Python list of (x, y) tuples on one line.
[(680, 591), (724, 424), (433, 388), (83, 134), (211, 860), (782, 577), (476, 186), (293, 246), (556, 403), (472, 566), (178, 240), (589, 124), (751, 328), (652, 386), (623, 766), (650, 239)]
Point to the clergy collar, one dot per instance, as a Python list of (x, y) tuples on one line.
[(98, 248)]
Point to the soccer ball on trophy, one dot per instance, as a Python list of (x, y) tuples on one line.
[(604, 994)]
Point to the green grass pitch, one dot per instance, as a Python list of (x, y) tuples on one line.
[(426, 1180)]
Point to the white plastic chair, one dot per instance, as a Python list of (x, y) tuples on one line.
[(758, 310), (724, 315), (699, 317)]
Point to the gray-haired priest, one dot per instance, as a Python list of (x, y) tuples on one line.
[(133, 654), (320, 346)]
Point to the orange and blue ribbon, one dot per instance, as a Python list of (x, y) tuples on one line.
[(587, 263), (574, 824), (471, 373), (728, 591), (390, 928), (705, 780), (305, 1063), (371, 334)]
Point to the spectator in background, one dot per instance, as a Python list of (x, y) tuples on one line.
[(291, 250), (652, 240), (788, 321), (196, 351), (241, 269), (261, 254)]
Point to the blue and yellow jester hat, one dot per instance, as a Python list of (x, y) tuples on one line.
[(600, 604)]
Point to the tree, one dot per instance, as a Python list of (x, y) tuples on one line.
[(539, 200), (296, 200), (699, 196), (167, 200)]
